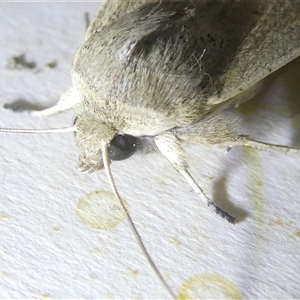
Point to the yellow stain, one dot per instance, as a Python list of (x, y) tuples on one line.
[(93, 276), (208, 286), (100, 210), (176, 242), (4, 216), (55, 228), (4, 275), (134, 273), (96, 250)]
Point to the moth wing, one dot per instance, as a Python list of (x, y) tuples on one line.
[(110, 11), (236, 43), (271, 43)]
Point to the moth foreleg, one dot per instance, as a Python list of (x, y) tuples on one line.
[(171, 148), (67, 100)]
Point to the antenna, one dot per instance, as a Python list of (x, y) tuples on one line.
[(132, 226), (39, 131)]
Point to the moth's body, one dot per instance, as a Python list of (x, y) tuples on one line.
[(159, 68), (147, 79)]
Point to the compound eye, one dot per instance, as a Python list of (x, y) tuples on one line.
[(122, 146)]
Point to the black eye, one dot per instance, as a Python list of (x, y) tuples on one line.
[(122, 146)]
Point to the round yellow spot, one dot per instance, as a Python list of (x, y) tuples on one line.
[(208, 286), (100, 210)]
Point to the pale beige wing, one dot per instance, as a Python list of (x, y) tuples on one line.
[(244, 41), (272, 42), (112, 10)]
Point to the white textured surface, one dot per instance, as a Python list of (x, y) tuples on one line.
[(46, 251)]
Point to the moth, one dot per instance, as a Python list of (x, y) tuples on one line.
[(151, 75)]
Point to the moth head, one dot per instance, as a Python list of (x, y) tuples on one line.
[(92, 134), (99, 143)]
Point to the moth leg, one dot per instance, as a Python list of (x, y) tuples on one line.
[(171, 148), (67, 100), (246, 141), (222, 129)]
